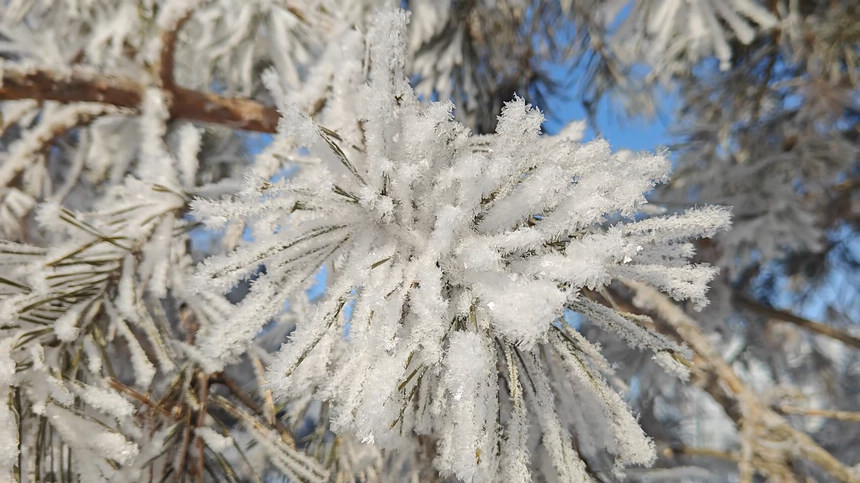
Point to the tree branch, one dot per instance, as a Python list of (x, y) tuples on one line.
[(785, 316), (823, 413), (188, 104), (168, 50)]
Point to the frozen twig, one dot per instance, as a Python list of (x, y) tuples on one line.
[(766, 426)]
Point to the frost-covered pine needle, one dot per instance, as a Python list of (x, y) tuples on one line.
[(450, 250)]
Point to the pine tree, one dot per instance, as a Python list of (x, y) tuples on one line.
[(327, 240)]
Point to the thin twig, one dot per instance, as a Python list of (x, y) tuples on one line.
[(676, 451), (142, 398), (245, 399), (268, 399), (183, 452), (824, 413), (201, 421)]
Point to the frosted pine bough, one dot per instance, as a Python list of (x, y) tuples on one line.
[(62, 306), (456, 256)]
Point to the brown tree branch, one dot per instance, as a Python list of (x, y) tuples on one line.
[(188, 104), (785, 316), (166, 61), (823, 413)]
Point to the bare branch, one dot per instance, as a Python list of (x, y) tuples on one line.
[(77, 86), (823, 413), (785, 316)]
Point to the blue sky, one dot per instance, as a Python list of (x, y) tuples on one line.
[(636, 134)]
